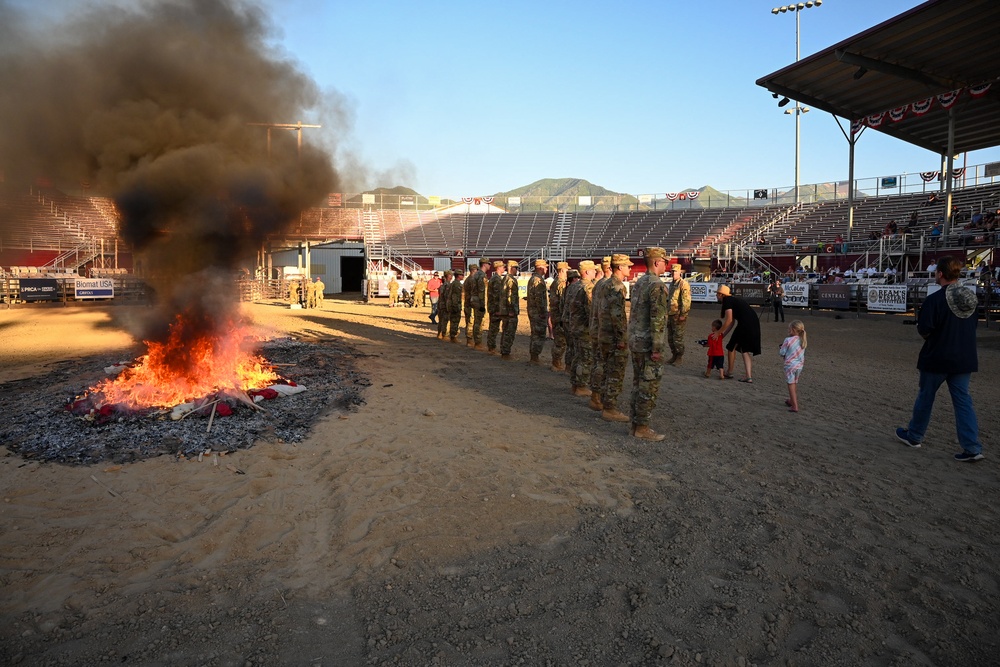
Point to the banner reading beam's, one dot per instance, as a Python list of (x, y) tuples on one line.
[(887, 298)]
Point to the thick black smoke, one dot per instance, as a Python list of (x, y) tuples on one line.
[(151, 103)]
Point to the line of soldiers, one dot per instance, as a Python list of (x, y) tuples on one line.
[(592, 335), (310, 297)]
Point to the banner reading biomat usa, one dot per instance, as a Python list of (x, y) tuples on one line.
[(94, 288), (887, 298)]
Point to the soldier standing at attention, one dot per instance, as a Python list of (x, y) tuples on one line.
[(467, 286), (393, 290), (310, 288), (320, 289), (293, 292), (538, 310), (612, 338), (596, 369), (443, 314), (572, 285), (493, 303), (679, 298), (556, 290), (509, 308), (647, 328), (455, 294), (578, 329), (477, 295)]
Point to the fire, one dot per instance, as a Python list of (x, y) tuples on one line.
[(191, 364)]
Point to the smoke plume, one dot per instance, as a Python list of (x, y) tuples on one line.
[(152, 104)]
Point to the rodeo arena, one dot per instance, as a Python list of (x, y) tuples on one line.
[(235, 428)]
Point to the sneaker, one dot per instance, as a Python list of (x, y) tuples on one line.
[(968, 456), (904, 437)]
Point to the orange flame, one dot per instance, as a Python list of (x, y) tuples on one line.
[(187, 367)]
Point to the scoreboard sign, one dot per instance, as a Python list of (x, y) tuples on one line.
[(95, 288)]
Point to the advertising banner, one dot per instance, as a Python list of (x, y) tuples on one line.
[(796, 295), (888, 298), (39, 289), (94, 288), (703, 292), (753, 293), (837, 297)]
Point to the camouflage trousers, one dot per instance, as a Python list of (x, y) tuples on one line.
[(477, 326), (675, 335), (645, 386), (613, 361), (509, 323), (539, 328), (596, 368), (558, 342), (468, 323), (493, 332), (443, 316), (583, 360), (455, 321)]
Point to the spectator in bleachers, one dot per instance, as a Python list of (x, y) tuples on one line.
[(936, 231)]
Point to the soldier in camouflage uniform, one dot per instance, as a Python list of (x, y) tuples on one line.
[(538, 310), (456, 293), (572, 278), (320, 289), (293, 293), (577, 307), (612, 338), (443, 314), (556, 290), (419, 290), (647, 328), (467, 302), (493, 290), (509, 307), (477, 299), (596, 368), (393, 290), (679, 305)]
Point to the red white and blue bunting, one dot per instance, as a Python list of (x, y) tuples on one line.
[(691, 194), (929, 176), (946, 100)]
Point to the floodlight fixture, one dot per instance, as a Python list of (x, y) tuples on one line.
[(783, 101)]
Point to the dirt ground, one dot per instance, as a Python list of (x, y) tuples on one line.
[(473, 512)]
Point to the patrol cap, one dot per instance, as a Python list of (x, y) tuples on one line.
[(459, 272), (484, 260), (562, 265), (511, 263), (655, 252), (606, 261), (541, 263), (498, 264), (677, 267), (586, 265), (723, 290), (621, 260), (448, 273), (572, 273)]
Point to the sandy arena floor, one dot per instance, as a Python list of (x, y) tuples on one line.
[(472, 512)]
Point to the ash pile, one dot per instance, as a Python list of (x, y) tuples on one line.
[(44, 420)]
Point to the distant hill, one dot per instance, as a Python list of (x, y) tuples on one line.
[(564, 193)]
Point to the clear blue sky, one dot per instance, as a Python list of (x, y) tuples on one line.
[(462, 98)]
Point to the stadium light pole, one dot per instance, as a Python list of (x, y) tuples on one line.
[(796, 9)]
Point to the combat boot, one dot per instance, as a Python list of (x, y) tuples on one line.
[(478, 346), (677, 360), (580, 391), (468, 342), (535, 360), (558, 366), (453, 339), (595, 401), (505, 357), (613, 415), (672, 359), (493, 352), (646, 433)]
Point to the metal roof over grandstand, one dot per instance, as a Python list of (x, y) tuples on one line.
[(910, 67)]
